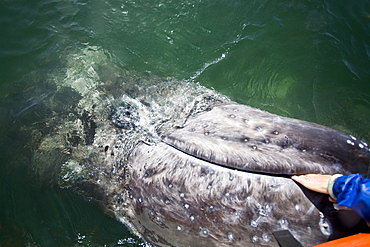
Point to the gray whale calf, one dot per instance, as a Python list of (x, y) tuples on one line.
[(182, 165)]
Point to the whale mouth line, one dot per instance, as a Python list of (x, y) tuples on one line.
[(264, 173)]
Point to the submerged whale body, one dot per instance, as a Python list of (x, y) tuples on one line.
[(182, 165)]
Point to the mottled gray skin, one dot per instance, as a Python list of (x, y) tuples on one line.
[(199, 186), (182, 165)]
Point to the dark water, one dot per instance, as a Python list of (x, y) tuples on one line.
[(303, 59)]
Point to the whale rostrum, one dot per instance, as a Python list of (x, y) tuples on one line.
[(182, 165)]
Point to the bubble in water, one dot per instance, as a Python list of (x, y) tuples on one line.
[(80, 238)]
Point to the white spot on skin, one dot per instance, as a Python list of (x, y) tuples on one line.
[(354, 138), (192, 218), (170, 186), (255, 239), (360, 145), (230, 236), (182, 195), (283, 223), (266, 237), (186, 206), (179, 228), (325, 226), (204, 232), (350, 142), (263, 210), (254, 223)]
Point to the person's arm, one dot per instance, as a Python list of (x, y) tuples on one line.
[(354, 191), (349, 191)]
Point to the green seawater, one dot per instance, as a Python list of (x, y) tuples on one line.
[(306, 59)]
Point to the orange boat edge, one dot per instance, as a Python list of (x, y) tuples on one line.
[(357, 240)]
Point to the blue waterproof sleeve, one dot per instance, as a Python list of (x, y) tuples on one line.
[(354, 191)]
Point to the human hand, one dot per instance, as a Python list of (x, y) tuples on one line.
[(315, 182)]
